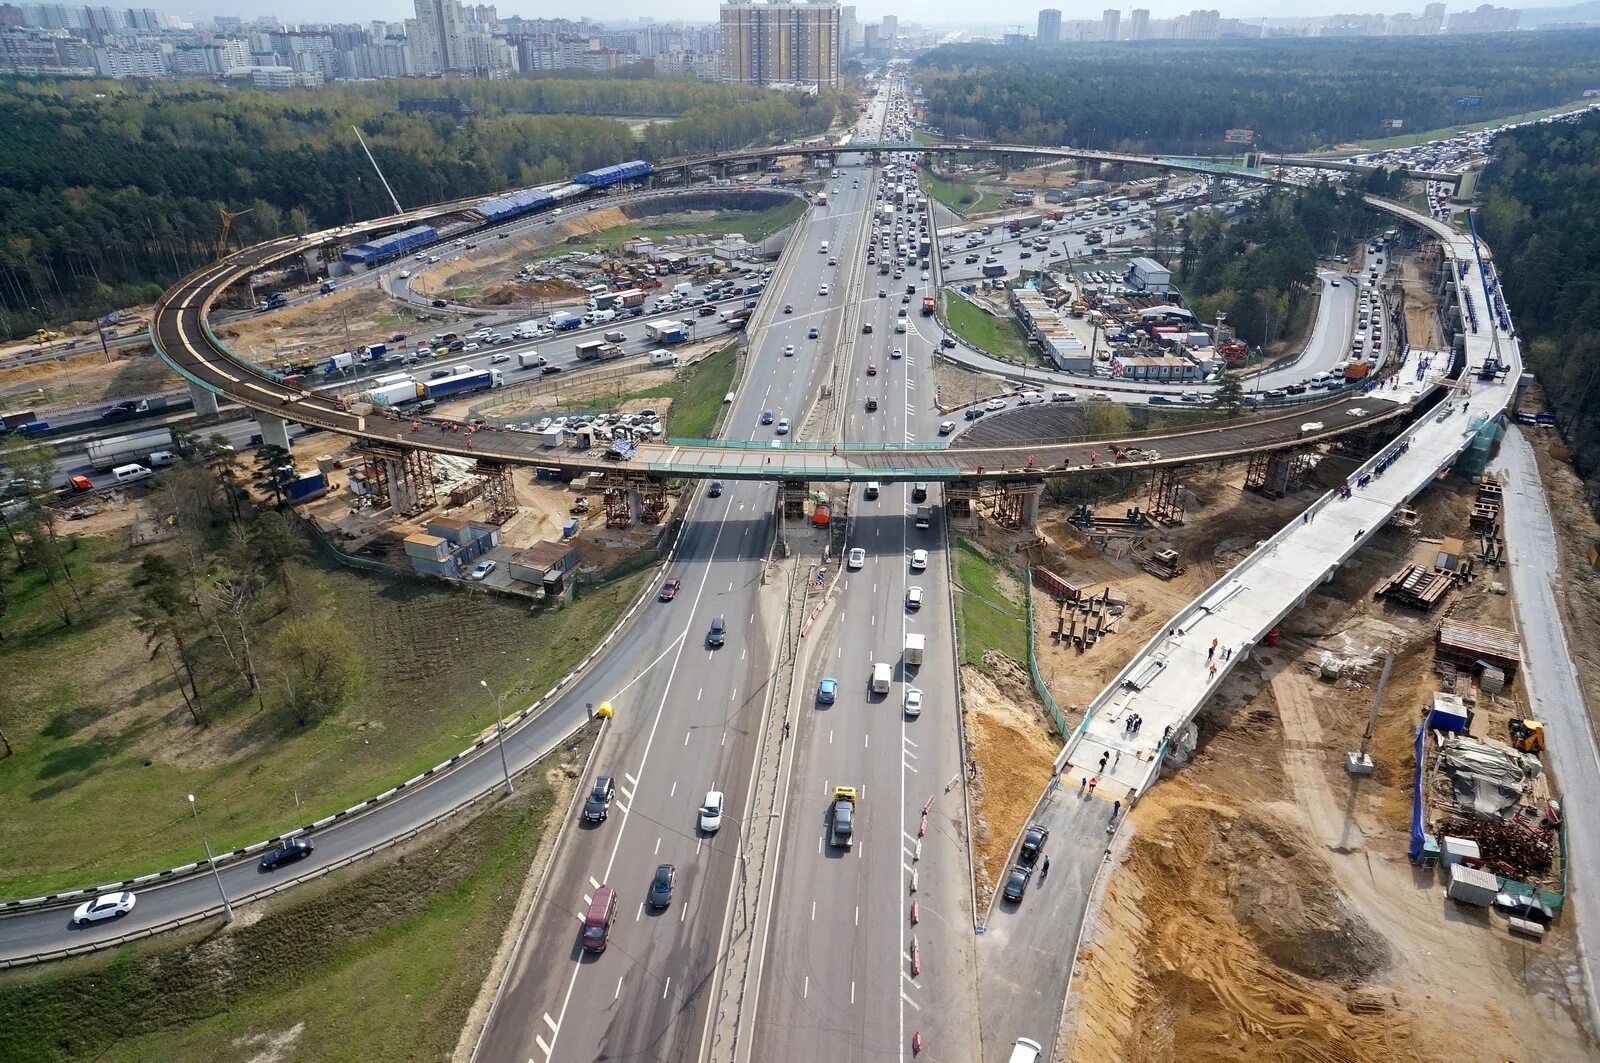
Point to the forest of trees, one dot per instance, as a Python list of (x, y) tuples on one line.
[(1257, 267), (1179, 96), (110, 190), (1541, 217)]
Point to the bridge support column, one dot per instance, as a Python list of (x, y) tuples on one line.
[(205, 402), (794, 494), (1030, 507), (274, 429)]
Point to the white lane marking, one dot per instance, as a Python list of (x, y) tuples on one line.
[(686, 735), (630, 778), (852, 990), (540, 1041), (813, 911), (658, 847), (548, 1021), (640, 913), (618, 993), (674, 792), (805, 990), (593, 884)]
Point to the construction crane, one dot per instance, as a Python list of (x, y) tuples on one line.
[(227, 226)]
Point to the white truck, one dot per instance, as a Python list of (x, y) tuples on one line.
[(106, 454), (915, 644), (530, 360)]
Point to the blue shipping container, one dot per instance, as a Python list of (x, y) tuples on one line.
[(610, 175)]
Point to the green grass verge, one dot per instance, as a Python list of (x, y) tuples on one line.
[(990, 611), (999, 336), (456, 295), (696, 395), (963, 197), (380, 961), (96, 722), (755, 225)]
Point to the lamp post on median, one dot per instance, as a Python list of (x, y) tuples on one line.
[(500, 728), (227, 908)]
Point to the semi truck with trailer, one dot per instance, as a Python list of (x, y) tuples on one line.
[(597, 351), (107, 454), (464, 383)]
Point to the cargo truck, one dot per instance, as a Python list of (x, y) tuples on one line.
[(563, 320), (465, 383), (994, 269), (629, 299), (666, 332), (927, 306), (614, 337), (597, 351), (915, 644), (530, 360), (842, 817), (924, 516), (1024, 222), (395, 393), (107, 454), (605, 301), (338, 363)]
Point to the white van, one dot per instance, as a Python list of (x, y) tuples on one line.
[(824, 248), (1025, 1050), (1061, 395), (662, 356), (131, 474), (1029, 398), (880, 678), (160, 459), (871, 490)]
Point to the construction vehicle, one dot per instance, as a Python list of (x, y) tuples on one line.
[(1527, 736), (842, 817)]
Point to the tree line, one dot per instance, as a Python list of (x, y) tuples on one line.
[(1541, 217), (110, 190), (1179, 96)]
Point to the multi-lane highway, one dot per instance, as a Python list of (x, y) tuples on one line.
[(687, 724)]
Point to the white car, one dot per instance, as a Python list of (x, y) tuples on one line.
[(782, 427), (472, 347), (919, 560), (913, 597), (896, 353), (404, 274), (497, 359), (711, 812), (913, 702), (858, 557), (822, 289), (106, 906), (788, 350), (995, 404), (483, 568)]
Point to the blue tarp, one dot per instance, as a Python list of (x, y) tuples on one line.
[(1417, 833)]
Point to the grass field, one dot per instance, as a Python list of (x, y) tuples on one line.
[(989, 608), (379, 961), (97, 723), (998, 336), (755, 225), (963, 197)]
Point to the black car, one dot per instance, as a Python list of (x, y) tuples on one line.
[(718, 633), (440, 303), (597, 806), (548, 369), (706, 311), (1017, 882), (287, 852), (121, 409), (438, 374), (1033, 844), (872, 403), (974, 413), (716, 489), (661, 886), (947, 342)]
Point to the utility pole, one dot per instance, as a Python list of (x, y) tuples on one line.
[(500, 730), (1360, 761), (227, 908)]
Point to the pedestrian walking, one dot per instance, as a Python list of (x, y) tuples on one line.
[(1305, 518), (1116, 809), (1082, 783), (1210, 653), (1094, 780), (1359, 534), (1213, 671), (1103, 758), (1117, 761), (1044, 872)]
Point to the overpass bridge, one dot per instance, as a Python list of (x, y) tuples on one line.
[(1222, 165), (182, 335)]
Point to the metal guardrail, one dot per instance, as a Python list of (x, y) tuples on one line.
[(1033, 661), (842, 448)]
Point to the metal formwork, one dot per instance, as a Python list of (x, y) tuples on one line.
[(401, 478), (499, 492), (652, 501), (959, 498), (618, 503), (793, 493), (1272, 474), (1009, 501)]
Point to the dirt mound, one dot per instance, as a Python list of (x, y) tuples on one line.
[(1014, 748), (512, 293), (1298, 920)]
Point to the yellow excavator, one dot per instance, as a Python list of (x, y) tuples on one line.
[(1527, 736)]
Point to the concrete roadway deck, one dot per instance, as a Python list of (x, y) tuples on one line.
[(1168, 682)]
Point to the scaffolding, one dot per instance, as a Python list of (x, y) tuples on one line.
[(618, 503), (1009, 501), (1275, 474), (959, 497), (794, 493), (652, 500), (400, 478), (499, 491), (1164, 498)]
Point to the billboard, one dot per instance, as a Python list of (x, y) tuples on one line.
[(1239, 136), (1393, 123), (1469, 101)]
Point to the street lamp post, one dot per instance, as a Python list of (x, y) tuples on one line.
[(227, 908), (500, 730)]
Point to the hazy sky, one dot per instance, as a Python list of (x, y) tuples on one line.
[(929, 12)]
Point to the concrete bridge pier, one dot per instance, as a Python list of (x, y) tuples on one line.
[(274, 430), (205, 402), (1030, 507)]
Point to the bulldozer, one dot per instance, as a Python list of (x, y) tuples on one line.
[(1527, 736)]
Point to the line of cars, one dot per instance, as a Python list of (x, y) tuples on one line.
[(117, 904)]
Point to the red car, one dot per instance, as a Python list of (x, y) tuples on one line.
[(872, 370), (669, 589)]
